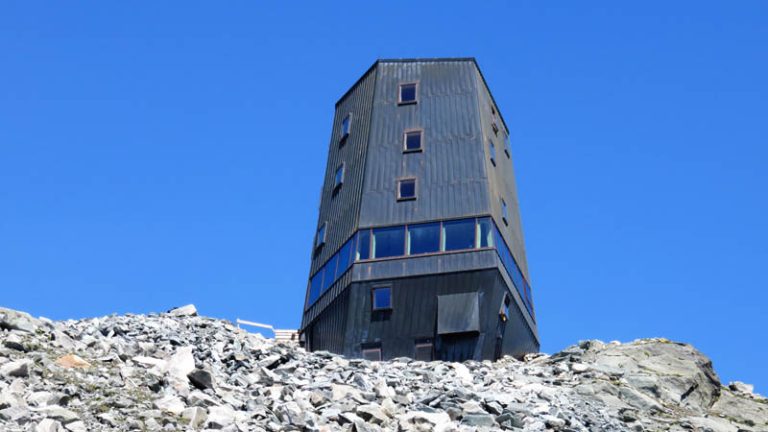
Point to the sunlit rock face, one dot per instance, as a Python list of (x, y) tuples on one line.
[(180, 371)]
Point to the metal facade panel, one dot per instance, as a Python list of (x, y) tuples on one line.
[(414, 314), (419, 266), (449, 171), (501, 177), (340, 209), (454, 179), (458, 313)]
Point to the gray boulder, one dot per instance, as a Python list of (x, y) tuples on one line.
[(15, 320)]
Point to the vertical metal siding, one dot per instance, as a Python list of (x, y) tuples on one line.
[(501, 178), (454, 179), (341, 210), (449, 170), (414, 315)]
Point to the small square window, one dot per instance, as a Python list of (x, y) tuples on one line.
[(338, 178), (506, 147), (504, 212), (345, 125), (381, 298), (493, 109), (412, 141), (320, 236), (407, 93), (406, 189), (492, 149), (504, 312), (423, 350), (495, 127), (372, 354)]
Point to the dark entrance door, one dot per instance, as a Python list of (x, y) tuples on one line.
[(456, 347)]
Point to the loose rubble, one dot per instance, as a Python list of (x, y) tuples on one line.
[(182, 372)]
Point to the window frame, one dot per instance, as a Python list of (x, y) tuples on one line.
[(415, 188), (318, 241), (444, 235), (492, 151), (409, 240), (504, 211), (420, 131), (423, 343), (400, 86), (391, 228), (495, 127), (343, 134), (507, 149), (375, 288), (371, 349), (504, 311), (337, 184)]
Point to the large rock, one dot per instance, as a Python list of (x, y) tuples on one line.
[(220, 417), (48, 425), (668, 372), (182, 311), (72, 361), (19, 368), (201, 379), (194, 417), (15, 320)]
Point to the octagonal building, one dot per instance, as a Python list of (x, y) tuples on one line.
[(419, 247)]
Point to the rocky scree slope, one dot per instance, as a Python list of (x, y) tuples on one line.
[(180, 371)]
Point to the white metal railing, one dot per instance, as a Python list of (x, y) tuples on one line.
[(280, 334)]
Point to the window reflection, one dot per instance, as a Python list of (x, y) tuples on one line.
[(388, 242), (423, 238), (484, 232), (419, 239), (458, 234), (364, 245), (330, 272), (345, 255)]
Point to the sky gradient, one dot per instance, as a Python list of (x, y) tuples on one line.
[(165, 153)]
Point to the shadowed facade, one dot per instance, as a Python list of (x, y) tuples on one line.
[(419, 248)]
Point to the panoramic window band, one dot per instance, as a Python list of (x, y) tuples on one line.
[(419, 239)]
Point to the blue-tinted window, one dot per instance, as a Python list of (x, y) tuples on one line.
[(315, 287), (407, 93), (382, 298), (484, 232), (413, 141), (320, 236), (493, 152), (330, 272), (388, 242), (363, 245), (459, 234), (345, 257), (345, 125), (338, 178), (423, 238), (406, 189)]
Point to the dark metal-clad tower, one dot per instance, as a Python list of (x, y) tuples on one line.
[(419, 247)]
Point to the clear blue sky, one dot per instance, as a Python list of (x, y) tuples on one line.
[(165, 153)]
